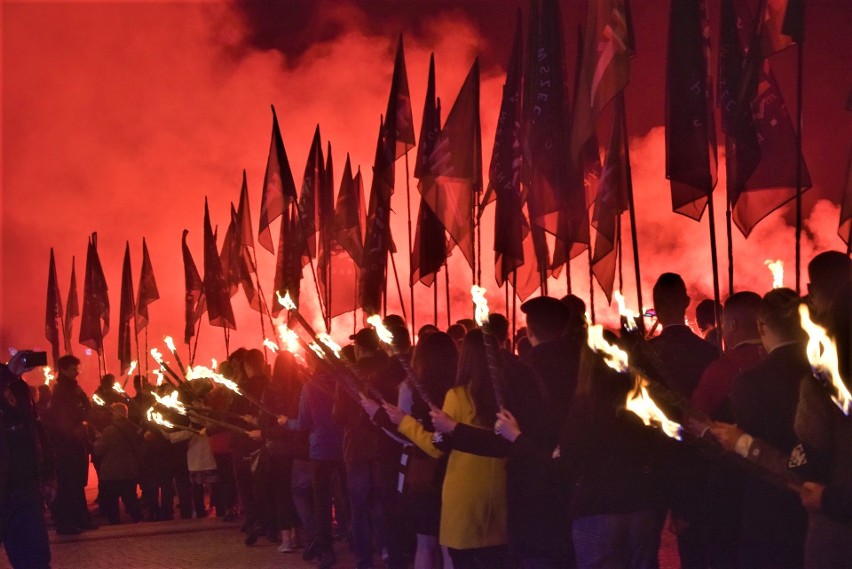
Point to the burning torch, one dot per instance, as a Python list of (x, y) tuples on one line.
[(492, 349), (386, 336)]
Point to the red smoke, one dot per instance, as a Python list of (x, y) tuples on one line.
[(120, 118)]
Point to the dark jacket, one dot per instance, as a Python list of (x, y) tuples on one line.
[(69, 408), (764, 400), (119, 449), (682, 358)]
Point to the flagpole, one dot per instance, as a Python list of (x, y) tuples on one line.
[(799, 90), (591, 285), (300, 213), (717, 317), (398, 287), (410, 245), (514, 304), (632, 205), (136, 335), (146, 353), (263, 305), (435, 301), (568, 272), (729, 229), (447, 281), (227, 341), (618, 253)]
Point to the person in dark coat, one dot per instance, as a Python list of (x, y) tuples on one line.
[(67, 428), (763, 401), (27, 475), (119, 448), (679, 358)]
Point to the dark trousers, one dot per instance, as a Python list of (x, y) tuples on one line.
[(158, 493), (23, 531), (224, 492), (111, 491), (481, 558), (374, 501), (322, 479), (303, 496), (282, 492), (245, 485), (71, 472), (609, 541)]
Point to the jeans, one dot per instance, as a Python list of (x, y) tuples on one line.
[(322, 478), (303, 497), (23, 530), (610, 541)]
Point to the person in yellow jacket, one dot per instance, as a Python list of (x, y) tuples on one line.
[(473, 509)]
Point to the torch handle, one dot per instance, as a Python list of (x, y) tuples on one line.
[(225, 425), (495, 366), (412, 379)]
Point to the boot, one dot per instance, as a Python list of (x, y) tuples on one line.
[(286, 542)]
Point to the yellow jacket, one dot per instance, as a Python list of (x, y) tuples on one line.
[(473, 499)]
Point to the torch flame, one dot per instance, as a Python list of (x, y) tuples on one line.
[(270, 344), (385, 335), (170, 343), (329, 341), (160, 378), (155, 417), (214, 364), (777, 270), (98, 401), (480, 304), (286, 301), (615, 357), (157, 355), (317, 349), (48, 375), (628, 315), (118, 388), (132, 367), (289, 338), (171, 401), (199, 372), (640, 403), (822, 355)]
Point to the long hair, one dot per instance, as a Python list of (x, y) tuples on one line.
[(473, 372), (286, 381), (435, 364)]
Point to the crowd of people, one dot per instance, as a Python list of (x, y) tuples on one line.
[(472, 448)]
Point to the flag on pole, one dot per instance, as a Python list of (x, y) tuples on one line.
[(72, 307), (219, 311), (53, 313), (780, 27), (94, 322), (456, 161), (349, 213), (194, 301), (311, 187), (605, 69), (126, 312), (288, 267), (247, 269), (504, 174), (691, 162), (230, 256), (371, 283), (611, 201), (430, 242), (278, 186), (398, 117), (244, 216), (325, 218), (761, 140), (147, 291)]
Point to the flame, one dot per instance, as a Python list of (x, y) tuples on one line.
[(171, 401), (98, 401), (480, 311), (214, 364), (615, 357), (157, 355), (286, 301), (822, 355), (628, 315), (48, 375), (639, 402), (170, 343), (199, 372), (118, 388), (155, 417), (385, 335), (317, 349), (289, 338), (132, 367), (270, 344), (160, 378), (777, 270), (329, 341)]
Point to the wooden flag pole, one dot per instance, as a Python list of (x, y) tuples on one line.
[(410, 244), (398, 287), (729, 229), (799, 90), (591, 286), (632, 205), (717, 317), (447, 281)]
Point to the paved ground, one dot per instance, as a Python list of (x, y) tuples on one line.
[(199, 544)]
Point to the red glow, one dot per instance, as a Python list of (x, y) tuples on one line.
[(120, 118)]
